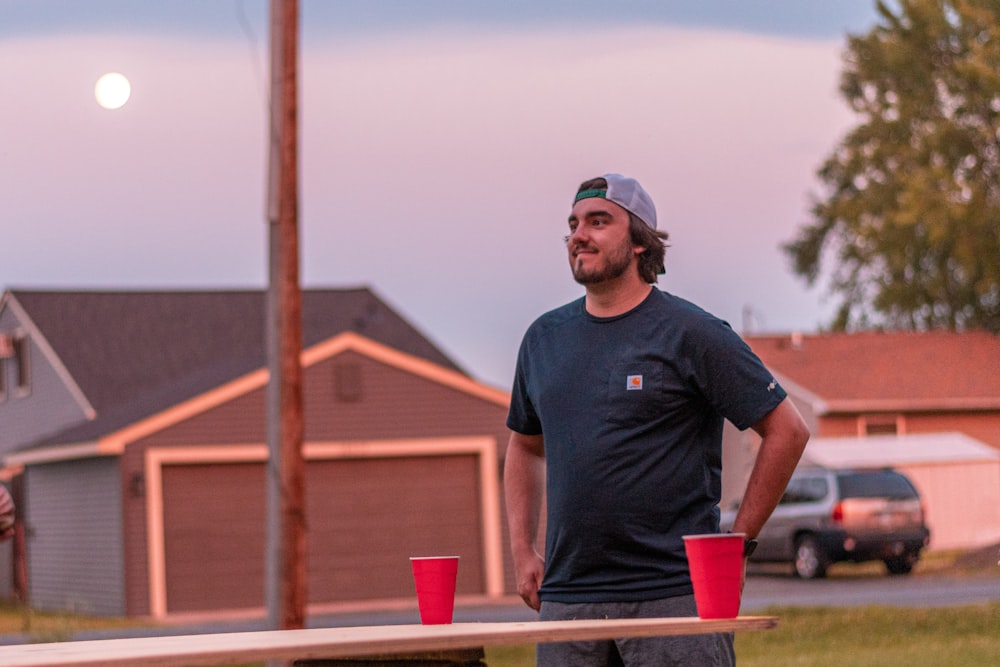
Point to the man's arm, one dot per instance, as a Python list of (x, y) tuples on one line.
[(523, 478), (784, 435)]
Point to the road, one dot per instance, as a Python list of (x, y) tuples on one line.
[(764, 590)]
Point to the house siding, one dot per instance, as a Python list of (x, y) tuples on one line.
[(75, 557), (7, 570), (47, 408), (981, 425), (958, 519), (134, 533), (392, 404)]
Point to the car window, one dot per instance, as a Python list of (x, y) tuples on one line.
[(875, 484), (805, 490)]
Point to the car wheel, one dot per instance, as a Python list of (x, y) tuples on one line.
[(901, 564), (810, 561)]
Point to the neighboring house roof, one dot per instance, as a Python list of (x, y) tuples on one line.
[(899, 370), (134, 353)]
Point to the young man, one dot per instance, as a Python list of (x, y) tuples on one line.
[(617, 412)]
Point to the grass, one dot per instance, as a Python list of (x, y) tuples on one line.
[(861, 637), (41, 626)]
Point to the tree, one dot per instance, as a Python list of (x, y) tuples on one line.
[(911, 219)]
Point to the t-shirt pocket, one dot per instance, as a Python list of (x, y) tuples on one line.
[(635, 393)]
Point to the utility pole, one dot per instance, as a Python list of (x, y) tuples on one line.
[(285, 571)]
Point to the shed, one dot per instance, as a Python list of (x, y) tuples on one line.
[(957, 476)]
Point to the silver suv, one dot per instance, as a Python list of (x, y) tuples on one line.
[(826, 516)]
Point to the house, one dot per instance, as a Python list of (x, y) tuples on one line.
[(135, 426), (856, 388), (873, 383)]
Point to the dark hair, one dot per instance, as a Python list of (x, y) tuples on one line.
[(653, 240)]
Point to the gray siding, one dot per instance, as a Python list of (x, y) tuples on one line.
[(48, 407), (7, 570), (75, 559)]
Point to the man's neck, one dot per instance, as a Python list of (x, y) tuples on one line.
[(612, 298)]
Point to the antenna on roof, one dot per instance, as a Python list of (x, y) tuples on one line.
[(752, 320)]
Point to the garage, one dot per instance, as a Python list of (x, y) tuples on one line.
[(366, 515)]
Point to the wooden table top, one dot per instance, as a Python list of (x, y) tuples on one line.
[(347, 642)]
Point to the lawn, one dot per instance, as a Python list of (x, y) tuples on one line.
[(860, 637), (863, 636), (52, 627)]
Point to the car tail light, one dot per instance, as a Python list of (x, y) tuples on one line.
[(838, 513)]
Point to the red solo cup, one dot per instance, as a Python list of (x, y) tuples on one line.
[(434, 578), (716, 564)]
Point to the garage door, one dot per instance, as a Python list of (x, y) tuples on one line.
[(214, 523), (365, 518)]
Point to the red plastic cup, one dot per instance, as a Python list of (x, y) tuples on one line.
[(434, 577), (716, 564)]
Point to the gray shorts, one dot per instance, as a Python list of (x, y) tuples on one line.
[(715, 650)]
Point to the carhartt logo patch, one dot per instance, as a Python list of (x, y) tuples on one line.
[(633, 382)]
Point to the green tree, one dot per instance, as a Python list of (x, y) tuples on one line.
[(910, 222)]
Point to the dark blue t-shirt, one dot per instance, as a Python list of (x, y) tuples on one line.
[(631, 409)]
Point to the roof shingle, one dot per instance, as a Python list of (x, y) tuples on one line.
[(133, 353), (900, 366)]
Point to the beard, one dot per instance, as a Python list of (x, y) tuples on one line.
[(617, 262)]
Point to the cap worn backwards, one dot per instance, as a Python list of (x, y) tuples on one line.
[(627, 193)]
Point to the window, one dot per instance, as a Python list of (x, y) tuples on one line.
[(805, 490), (22, 364), (880, 425), (347, 382), (6, 354), (875, 484)]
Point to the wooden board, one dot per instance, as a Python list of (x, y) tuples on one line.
[(319, 643)]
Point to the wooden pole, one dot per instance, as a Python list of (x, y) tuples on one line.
[(285, 568)]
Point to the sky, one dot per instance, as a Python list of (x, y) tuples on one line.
[(440, 145)]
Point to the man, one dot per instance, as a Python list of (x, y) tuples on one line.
[(617, 412)]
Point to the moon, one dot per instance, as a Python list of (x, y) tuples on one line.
[(112, 90)]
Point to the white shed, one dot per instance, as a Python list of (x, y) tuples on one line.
[(958, 478)]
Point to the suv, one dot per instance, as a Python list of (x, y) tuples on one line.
[(826, 516)]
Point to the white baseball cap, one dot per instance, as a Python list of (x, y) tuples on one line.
[(627, 193)]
